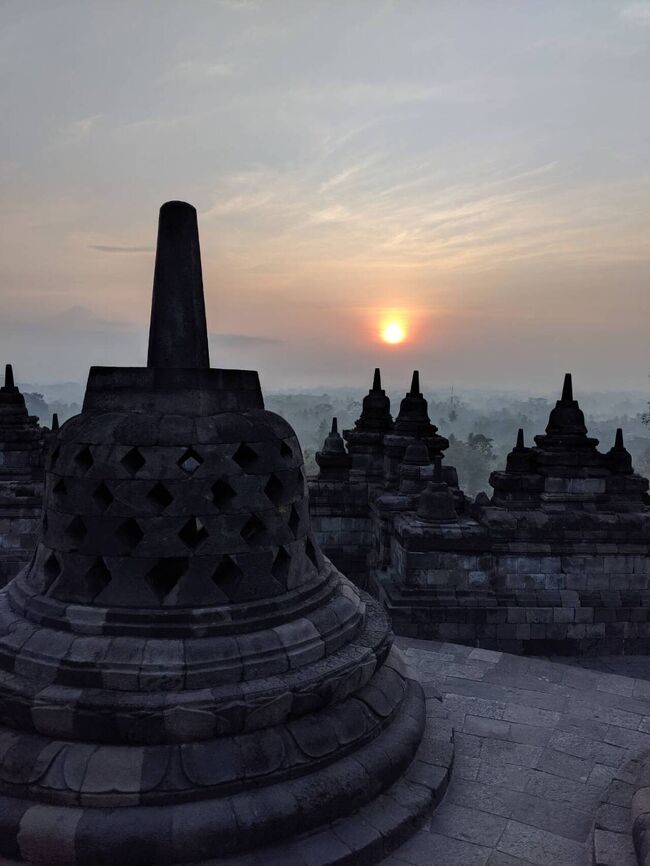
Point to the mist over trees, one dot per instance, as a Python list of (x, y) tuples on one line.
[(481, 425)]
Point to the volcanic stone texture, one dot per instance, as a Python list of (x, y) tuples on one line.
[(558, 561), (184, 677), (21, 480)]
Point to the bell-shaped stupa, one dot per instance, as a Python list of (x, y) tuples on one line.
[(184, 678)]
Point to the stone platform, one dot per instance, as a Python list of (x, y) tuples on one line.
[(548, 755)]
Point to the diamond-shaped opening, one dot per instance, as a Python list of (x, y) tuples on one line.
[(84, 459), (222, 493), (160, 497), (130, 534), (245, 457), (76, 530), (165, 574), (253, 530), (103, 497), (97, 577), (190, 461), (193, 534), (51, 569), (310, 552), (294, 521), (227, 575), (280, 567), (285, 451), (54, 456), (60, 488), (133, 461), (274, 489)]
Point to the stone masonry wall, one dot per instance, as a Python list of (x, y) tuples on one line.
[(342, 526)]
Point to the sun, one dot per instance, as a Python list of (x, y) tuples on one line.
[(393, 333)]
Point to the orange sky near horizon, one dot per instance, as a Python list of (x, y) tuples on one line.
[(477, 173)]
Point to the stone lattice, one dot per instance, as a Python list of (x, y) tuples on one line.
[(184, 677)]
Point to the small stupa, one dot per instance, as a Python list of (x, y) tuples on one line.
[(21, 478), (366, 440), (333, 460)]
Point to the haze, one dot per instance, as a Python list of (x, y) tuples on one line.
[(480, 170)]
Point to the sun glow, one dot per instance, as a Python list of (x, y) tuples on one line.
[(393, 333)]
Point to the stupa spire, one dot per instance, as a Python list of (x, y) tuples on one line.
[(520, 439), (55, 422), (178, 334), (9, 376), (376, 381), (567, 389), (415, 383), (618, 441)]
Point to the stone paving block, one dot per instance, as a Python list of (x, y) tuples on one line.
[(613, 849), (541, 847), (431, 849), (577, 794), (477, 795), (483, 727), (627, 739), (498, 858), (615, 818), (531, 715), (567, 766), (529, 734), (590, 750), (496, 751), (467, 824), (513, 777), (557, 818)]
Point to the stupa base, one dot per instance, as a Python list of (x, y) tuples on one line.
[(54, 836)]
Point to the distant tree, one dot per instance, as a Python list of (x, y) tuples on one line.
[(36, 405), (473, 460), (482, 444)]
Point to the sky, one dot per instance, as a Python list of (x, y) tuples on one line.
[(479, 171)]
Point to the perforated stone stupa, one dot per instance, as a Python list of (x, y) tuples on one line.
[(184, 677), (21, 479)]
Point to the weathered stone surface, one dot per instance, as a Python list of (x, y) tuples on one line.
[(22, 445), (184, 677), (557, 561)]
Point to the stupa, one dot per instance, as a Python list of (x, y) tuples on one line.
[(556, 561), (21, 479), (185, 679)]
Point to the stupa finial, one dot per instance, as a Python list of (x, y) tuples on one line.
[(618, 441), (335, 426), (55, 422), (415, 383), (567, 388), (520, 439), (376, 381), (178, 334), (9, 376)]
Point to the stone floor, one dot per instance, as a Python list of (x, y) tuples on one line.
[(545, 751)]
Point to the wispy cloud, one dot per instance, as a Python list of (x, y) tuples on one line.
[(196, 70), (242, 340), (110, 248), (638, 12), (78, 130)]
